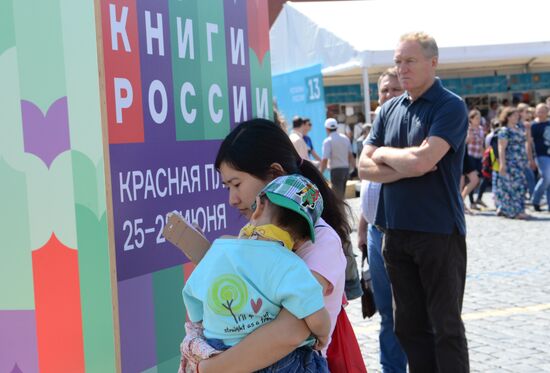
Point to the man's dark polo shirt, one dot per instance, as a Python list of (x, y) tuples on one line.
[(539, 133), (432, 202)]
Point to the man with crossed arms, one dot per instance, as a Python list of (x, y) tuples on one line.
[(416, 149)]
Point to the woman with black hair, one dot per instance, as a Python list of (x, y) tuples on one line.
[(252, 155)]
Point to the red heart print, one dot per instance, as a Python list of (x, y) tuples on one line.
[(256, 305)]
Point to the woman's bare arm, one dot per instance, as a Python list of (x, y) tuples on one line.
[(261, 348)]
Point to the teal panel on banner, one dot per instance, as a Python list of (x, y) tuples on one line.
[(476, 85), (301, 92), (338, 94), (529, 81)]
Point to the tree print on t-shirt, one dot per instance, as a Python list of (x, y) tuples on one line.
[(227, 295)]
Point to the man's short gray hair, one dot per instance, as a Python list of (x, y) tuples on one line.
[(427, 43)]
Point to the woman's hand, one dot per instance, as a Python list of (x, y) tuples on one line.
[(361, 240)]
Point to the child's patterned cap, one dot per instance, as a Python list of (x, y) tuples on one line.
[(298, 194)]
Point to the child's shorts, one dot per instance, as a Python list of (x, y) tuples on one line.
[(302, 360)]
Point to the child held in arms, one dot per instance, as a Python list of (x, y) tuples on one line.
[(243, 283)]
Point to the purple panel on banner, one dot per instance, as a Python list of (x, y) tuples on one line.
[(238, 63), (156, 70), (148, 181), (137, 324), (18, 346)]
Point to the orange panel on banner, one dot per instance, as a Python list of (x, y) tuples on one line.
[(122, 72), (58, 310)]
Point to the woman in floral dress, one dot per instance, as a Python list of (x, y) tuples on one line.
[(511, 184)]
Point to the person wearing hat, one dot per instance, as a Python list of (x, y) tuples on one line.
[(337, 157), (243, 283)]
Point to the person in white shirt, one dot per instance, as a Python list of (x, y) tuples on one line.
[(337, 156), (299, 129), (392, 356)]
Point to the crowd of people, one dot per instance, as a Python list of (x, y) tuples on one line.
[(483, 167), (273, 298), (337, 154), (517, 175), (509, 153)]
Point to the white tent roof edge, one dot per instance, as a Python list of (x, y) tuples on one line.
[(303, 43), (304, 34)]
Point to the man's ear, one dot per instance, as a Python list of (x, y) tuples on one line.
[(277, 170), (260, 206)]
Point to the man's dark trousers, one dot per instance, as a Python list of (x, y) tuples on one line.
[(338, 178), (428, 272)]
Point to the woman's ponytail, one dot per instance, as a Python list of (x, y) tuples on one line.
[(335, 211)]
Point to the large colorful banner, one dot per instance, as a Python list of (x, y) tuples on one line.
[(176, 79), (92, 162)]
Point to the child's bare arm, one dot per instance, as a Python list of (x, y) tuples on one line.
[(319, 324)]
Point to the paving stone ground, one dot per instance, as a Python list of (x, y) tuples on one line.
[(507, 299)]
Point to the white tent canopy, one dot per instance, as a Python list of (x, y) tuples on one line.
[(357, 38)]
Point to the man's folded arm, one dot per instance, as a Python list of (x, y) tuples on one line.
[(414, 161), (378, 172)]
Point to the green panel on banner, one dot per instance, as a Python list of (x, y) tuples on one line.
[(186, 69), (169, 313), (85, 182), (215, 102), (50, 196), (7, 32), (169, 366), (151, 370), (260, 85), (16, 280), (80, 60), (95, 291), (38, 36), (11, 135)]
